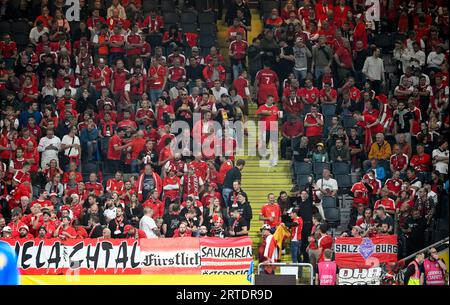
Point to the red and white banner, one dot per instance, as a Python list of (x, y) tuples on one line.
[(170, 256), (88, 256), (234, 257), (187, 255), (352, 252)]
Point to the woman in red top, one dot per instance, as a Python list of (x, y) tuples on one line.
[(171, 35)]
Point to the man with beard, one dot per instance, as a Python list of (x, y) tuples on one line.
[(24, 232), (305, 207), (239, 227), (284, 203), (171, 220), (117, 224)]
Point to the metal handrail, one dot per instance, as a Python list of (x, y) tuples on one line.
[(436, 244), (311, 274)]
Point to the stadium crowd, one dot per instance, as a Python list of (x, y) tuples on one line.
[(87, 108)]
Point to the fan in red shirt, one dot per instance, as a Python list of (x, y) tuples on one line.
[(115, 184), (65, 230), (119, 77), (176, 72), (93, 186), (398, 161), (386, 202), (101, 75), (309, 94), (145, 115), (155, 204), (226, 165), (421, 161), (394, 184), (314, 126), (171, 184), (360, 192), (292, 104), (324, 241), (371, 127), (271, 212), (266, 82), (133, 233), (153, 22)]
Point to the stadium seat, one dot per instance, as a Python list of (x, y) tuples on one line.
[(154, 40), (170, 18), (167, 6), (349, 122), (5, 27), (306, 109), (268, 5), (20, 27), (206, 18), (328, 109), (208, 29), (344, 181), (148, 5), (21, 40), (200, 5), (319, 167), (328, 202), (90, 167), (303, 168), (302, 180), (340, 168), (333, 216), (206, 41), (399, 36), (189, 28), (189, 17), (384, 41)]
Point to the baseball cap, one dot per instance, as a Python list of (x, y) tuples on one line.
[(213, 185), (265, 227), (194, 49), (127, 228), (7, 229), (24, 227), (53, 195), (224, 95), (320, 144), (291, 210)]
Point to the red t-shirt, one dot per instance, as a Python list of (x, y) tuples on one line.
[(113, 154), (272, 210), (325, 242), (421, 163), (313, 131), (388, 204), (117, 38), (360, 194), (310, 95), (134, 39), (239, 48), (399, 161), (273, 117)]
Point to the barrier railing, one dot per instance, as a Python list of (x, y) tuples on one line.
[(299, 265)]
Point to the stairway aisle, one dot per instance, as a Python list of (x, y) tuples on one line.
[(258, 177)]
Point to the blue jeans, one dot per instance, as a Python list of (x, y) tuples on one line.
[(300, 75), (237, 67), (318, 72), (134, 167), (295, 250), (226, 195), (154, 94)]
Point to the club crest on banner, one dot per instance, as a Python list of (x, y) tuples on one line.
[(366, 248)]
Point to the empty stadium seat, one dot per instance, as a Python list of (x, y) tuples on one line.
[(148, 5), (206, 18), (189, 28), (303, 168), (328, 109), (344, 181), (319, 166), (20, 27), (333, 216), (208, 29), (167, 6), (328, 202), (302, 180), (5, 27), (340, 168), (268, 5), (189, 17), (170, 18)]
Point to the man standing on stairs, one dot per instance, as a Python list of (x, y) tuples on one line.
[(295, 225), (271, 213), (231, 176), (268, 116), (268, 250)]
